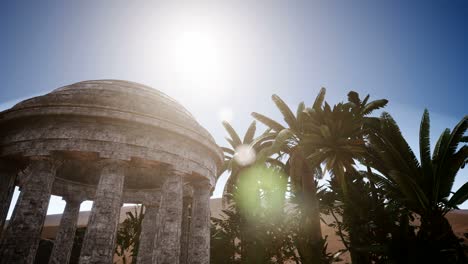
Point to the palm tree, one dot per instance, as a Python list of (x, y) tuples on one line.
[(423, 186), (128, 236), (335, 137), (289, 142), (231, 165)]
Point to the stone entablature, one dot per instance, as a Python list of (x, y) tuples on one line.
[(112, 142)]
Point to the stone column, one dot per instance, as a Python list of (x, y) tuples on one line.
[(199, 240), (149, 229), (21, 238), (7, 187), (99, 241), (186, 214), (64, 239), (167, 248)]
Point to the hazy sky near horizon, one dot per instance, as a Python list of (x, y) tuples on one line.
[(226, 58)]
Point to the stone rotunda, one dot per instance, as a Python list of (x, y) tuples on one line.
[(111, 142)]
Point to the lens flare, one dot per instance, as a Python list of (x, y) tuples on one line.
[(261, 189), (245, 155)]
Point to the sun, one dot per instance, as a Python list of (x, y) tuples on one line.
[(197, 54), (200, 57)]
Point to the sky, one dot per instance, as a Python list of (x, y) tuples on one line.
[(224, 59)]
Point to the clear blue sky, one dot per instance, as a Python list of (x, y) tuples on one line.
[(414, 54)]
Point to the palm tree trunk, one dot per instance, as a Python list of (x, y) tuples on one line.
[(311, 220), (438, 236), (358, 255)]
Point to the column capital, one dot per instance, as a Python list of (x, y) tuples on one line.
[(46, 162), (201, 186), (188, 191), (74, 199), (153, 203)]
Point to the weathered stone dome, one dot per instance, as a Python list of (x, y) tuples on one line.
[(110, 119), (112, 142)]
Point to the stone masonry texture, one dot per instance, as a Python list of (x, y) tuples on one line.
[(199, 241), (184, 236), (64, 240), (21, 239), (7, 186), (148, 234), (99, 240), (167, 248), (117, 142)]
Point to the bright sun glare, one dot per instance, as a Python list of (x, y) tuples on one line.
[(200, 58)]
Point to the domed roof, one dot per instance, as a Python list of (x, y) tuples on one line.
[(118, 99)]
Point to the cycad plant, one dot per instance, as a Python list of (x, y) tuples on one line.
[(256, 146), (128, 236), (335, 138), (424, 186), (250, 188), (289, 142)]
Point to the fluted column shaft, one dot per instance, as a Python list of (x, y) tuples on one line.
[(20, 240), (64, 239), (148, 234), (99, 241), (199, 240), (7, 187), (167, 248)]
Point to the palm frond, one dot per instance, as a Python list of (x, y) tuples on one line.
[(364, 102), (228, 150), (460, 196), (268, 122), (300, 116), (232, 133), (319, 99), (374, 105), (425, 154), (265, 137), (353, 97), (441, 142), (457, 134), (250, 134), (231, 142), (288, 115), (282, 139)]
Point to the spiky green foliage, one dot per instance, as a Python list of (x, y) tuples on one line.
[(128, 236), (335, 137), (254, 228), (258, 146), (423, 186), (288, 143)]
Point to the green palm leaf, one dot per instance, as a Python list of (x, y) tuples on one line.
[(374, 105), (265, 137), (249, 135), (425, 154), (231, 142), (228, 150), (236, 141), (268, 122), (460, 196), (353, 97), (288, 115), (282, 139), (319, 100)]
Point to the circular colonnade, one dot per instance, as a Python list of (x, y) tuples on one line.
[(111, 142)]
